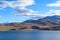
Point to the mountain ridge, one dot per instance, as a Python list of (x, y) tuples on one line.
[(46, 23)]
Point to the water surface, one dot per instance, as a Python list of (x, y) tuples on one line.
[(30, 35)]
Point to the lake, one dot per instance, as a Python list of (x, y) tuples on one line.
[(30, 35)]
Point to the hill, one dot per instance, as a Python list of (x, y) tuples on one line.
[(46, 23)]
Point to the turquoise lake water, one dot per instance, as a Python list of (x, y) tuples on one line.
[(30, 35)]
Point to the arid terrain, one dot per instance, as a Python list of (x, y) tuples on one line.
[(46, 23)]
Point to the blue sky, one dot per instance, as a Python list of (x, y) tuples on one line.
[(21, 10)]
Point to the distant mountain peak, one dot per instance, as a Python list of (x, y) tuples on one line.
[(49, 20), (55, 17)]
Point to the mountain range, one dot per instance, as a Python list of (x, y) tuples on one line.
[(49, 20), (46, 23)]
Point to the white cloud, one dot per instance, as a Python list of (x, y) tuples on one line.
[(23, 3), (52, 12), (55, 4), (14, 4), (26, 12), (19, 3), (56, 12), (2, 4), (22, 10), (49, 13), (29, 14)]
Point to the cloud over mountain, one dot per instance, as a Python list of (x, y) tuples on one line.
[(22, 4), (26, 12), (23, 11), (53, 12), (55, 4)]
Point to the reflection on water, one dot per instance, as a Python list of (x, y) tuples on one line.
[(30, 35)]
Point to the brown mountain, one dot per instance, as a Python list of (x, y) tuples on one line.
[(46, 23), (49, 22)]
